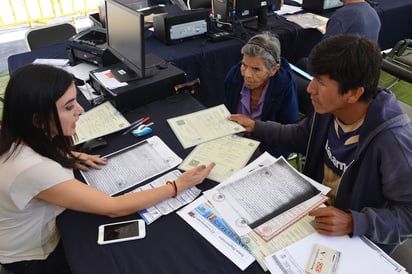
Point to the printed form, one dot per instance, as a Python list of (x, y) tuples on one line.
[(99, 121), (204, 125), (267, 196), (229, 153)]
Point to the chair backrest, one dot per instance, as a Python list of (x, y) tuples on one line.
[(302, 81), (44, 36), (398, 61)]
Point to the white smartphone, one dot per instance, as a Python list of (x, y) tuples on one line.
[(121, 231)]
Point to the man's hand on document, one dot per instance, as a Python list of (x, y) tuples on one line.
[(332, 221), (193, 176)]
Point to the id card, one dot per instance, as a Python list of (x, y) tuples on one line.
[(323, 260)]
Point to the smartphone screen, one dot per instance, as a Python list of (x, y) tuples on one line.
[(121, 231)]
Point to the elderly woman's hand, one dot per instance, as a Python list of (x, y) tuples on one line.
[(245, 121)]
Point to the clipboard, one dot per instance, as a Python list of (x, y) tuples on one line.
[(130, 166)]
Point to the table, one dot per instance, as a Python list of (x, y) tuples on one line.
[(171, 245), (396, 21), (200, 57), (210, 61)]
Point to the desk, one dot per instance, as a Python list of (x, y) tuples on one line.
[(396, 21), (201, 58), (171, 245)]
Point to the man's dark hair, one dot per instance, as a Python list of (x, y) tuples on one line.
[(349, 59)]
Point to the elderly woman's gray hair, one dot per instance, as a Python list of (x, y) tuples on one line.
[(266, 46)]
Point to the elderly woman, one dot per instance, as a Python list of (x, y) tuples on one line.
[(262, 85)]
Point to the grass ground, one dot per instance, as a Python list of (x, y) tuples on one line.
[(402, 89), (4, 78)]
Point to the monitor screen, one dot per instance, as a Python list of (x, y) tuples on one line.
[(260, 9), (125, 39)]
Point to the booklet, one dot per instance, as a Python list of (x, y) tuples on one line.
[(201, 215), (169, 205)]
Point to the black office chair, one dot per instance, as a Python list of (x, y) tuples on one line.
[(302, 81), (47, 35), (304, 104), (398, 62)]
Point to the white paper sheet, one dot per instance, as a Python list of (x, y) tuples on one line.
[(202, 217), (357, 256), (169, 205), (260, 189), (229, 153), (99, 121), (203, 126)]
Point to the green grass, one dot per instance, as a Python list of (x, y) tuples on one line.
[(4, 78), (402, 89)]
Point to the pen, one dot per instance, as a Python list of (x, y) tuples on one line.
[(137, 121), (136, 124)]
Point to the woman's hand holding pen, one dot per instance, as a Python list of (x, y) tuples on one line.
[(87, 160), (243, 120), (193, 177)]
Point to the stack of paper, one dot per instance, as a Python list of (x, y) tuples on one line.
[(215, 140), (358, 256)]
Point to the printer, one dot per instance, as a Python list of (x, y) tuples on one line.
[(90, 46)]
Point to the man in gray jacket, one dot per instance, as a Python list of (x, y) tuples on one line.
[(358, 141)]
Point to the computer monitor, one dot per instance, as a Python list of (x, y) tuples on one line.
[(260, 9), (125, 39)]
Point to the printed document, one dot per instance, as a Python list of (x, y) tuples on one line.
[(99, 121), (358, 256), (169, 205), (203, 126), (308, 20), (267, 196), (261, 249), (229, 153), (201, 215), (132, 165), (107, 80)]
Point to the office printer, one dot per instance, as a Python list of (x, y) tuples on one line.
[(90, 46)]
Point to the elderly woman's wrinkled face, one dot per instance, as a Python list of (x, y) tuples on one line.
[(254, 72)]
